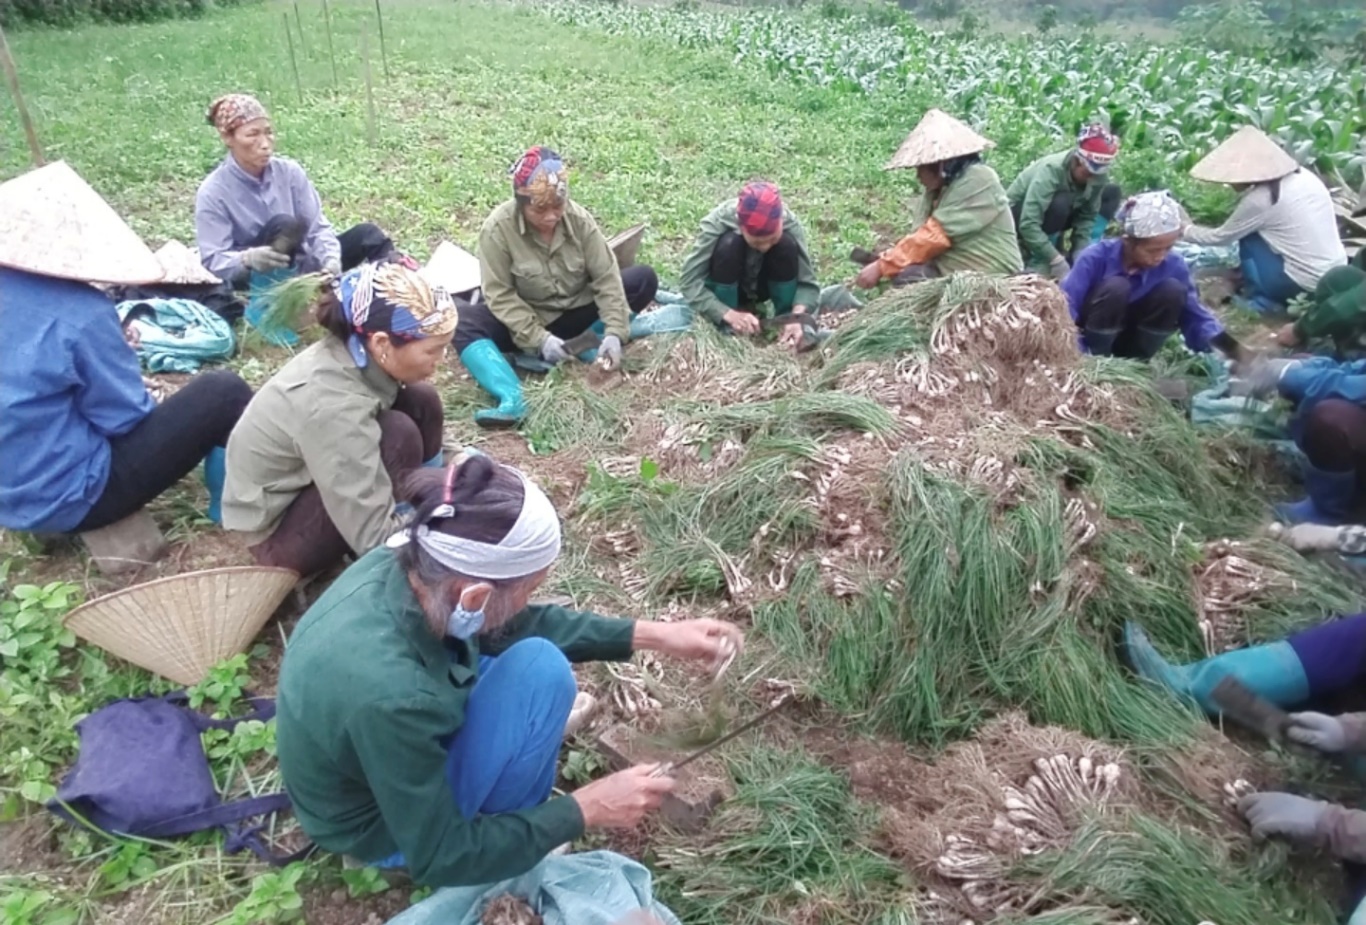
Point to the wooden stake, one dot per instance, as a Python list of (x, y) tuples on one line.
[(294, 62), (331, 52), (383, 53), (12, 75), (299, 21), (369, 86)]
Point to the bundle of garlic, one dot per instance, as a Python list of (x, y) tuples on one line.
[(508, 910), (630, 686)]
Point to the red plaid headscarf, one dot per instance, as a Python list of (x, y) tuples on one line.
[(539, 175), (1097, 146), (760, 208)]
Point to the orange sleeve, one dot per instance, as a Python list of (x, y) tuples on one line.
[(920, 246)]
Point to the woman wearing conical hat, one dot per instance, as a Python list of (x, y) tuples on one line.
[(1284, 223), (82, 443), (259, 219), (962, 222)]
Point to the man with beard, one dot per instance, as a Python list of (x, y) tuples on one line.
[(422, 702)]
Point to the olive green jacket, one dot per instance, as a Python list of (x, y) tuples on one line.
[(975, 215), (1033, 191)]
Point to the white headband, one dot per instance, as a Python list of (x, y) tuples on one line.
[(531, 545)]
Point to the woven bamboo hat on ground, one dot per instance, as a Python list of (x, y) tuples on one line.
[(1247, 156), (937, 137), (626, 245), (180, 627), (53, 223), (182, 266)]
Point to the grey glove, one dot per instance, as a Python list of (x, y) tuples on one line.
[(1058, 267), (1264, 374), (1317, 730), (609, 351), (552, 350), (1282, 814), (332, 267), (264, 259)]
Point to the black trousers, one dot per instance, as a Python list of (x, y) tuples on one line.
[(1334, 438), (167, 444), (478, 323), (1114, 326), (365, 241), (728, 258)]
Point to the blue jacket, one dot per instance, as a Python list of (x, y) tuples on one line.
[(1104, 259), (68, 383), (1308, 382)]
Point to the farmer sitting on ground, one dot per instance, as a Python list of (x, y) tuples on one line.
[(313, 464), (1129, 294), (258, 218), (961, 222), (751, 250), (548, 276), (1284, 223), (82, 443), (422, 703), (1060, 195), (1337, 312), (1310, 668)]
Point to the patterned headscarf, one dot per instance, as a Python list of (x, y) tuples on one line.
[(228, 113), (391, 298), (1150, 215), (1097, 147), (539, 175), (760, 208)]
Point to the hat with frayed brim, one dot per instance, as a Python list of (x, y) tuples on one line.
[(180, 627), (182, 266), (1247, 156), (53, 223), (938, 137), (626, 245)]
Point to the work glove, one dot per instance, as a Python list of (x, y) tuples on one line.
[(264, 259), (332, 267), (1058, 267), (1317, 730), (609, 351), (1282, 814), (552, 350), (1262, 375)]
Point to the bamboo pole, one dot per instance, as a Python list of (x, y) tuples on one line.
[(370, 121), (294, 62), (331, 52), (12, 76), (383, 52), (299, 21)]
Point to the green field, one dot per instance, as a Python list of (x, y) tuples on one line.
[(717, 479)]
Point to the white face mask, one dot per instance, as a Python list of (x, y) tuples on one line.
[(462, 623)]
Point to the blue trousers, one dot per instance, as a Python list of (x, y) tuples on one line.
[(504, 756), (1264, 272)]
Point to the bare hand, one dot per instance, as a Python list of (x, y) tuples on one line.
[(706, 640), (791, 334), (742, 322), (1287, 337), (869, 276), (622, 800)]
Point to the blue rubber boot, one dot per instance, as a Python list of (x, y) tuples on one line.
[(258, 303), (496, 376), (1272, 670), (1332, 497), (436, 462), (215, 475)]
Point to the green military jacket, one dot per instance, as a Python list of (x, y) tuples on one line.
[(368, 697), (1033, 191), (976, 216), (528, 283), (725, 218), (316, 422)]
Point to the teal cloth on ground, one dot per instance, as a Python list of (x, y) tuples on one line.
[(592, 888), (259, 301), (179, 336), (1201, 257)]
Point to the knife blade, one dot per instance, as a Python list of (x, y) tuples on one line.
[(1255, 713), (672, 766)]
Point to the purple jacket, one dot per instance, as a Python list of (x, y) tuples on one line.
[(1103, 260)]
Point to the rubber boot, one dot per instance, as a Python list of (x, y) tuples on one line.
[(784, 296), (600, 329), (215, 475), (258, 303), (728, 294), (436, 462), (1099, 343), (667, 319), (1272, 670), (1148, 341), (1331, 500), (495, 375)]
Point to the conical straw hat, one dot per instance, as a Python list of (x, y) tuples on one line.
[(180, 627), (182, 266), (53, 223), (938, 137), (626, 245), (1247, 156)]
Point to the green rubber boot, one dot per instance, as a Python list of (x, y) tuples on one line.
[(728, 294), (784, 296), (1272, 670), (495, 375)]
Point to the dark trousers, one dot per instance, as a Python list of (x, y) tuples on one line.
[(306, 540), (1057, 218), (1334, 438), (476, 322), (1112, 325), (166, 445), (365, 241), (730, 255)]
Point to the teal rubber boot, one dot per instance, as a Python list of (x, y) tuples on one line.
[(436, 462), (784, 297), (728, 294), (215, 476), (258, 303), (1272, 671), (496, 376), (667, 319), (600, 329)]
